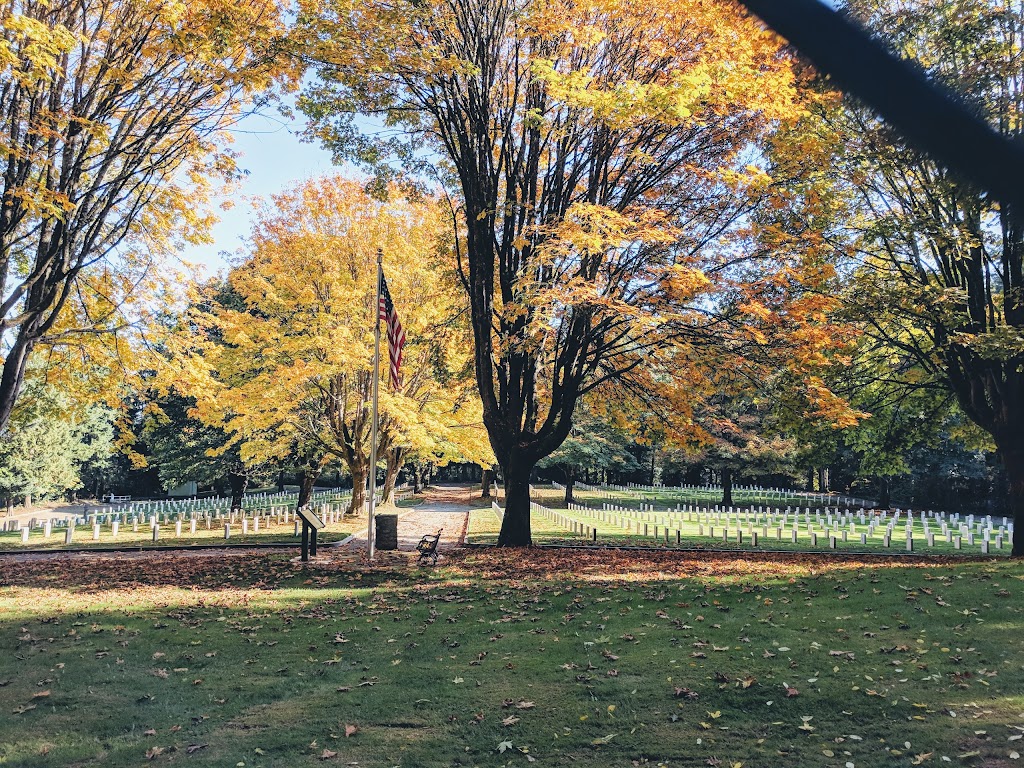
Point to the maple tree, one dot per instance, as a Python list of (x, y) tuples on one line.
[(112, 118), (601, 152), (940, 275), (282, 357)]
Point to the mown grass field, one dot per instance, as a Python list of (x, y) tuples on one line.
[(509, 658)]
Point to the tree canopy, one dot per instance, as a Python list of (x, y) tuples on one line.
[(112, 120), (283, 354)]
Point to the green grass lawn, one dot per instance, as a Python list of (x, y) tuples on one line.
[(505, 658)]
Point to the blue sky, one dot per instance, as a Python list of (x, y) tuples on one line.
[(275, 159)]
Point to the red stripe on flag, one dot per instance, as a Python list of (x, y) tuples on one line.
[(396, 335)]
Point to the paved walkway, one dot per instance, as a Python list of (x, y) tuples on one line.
[(445, 507)]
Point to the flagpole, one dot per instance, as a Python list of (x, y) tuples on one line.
[(376, 388)]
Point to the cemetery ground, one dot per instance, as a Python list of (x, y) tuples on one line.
[(688, 519), (266, 525), (493, 658)]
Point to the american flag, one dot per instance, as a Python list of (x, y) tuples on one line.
[(396, 336)]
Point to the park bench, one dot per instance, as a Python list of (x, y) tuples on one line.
[(428, 547)]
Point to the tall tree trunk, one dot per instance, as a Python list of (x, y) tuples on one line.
[(13, 374), (823, 479), (810, 478), (1013, 463), (515, 526), (28, 500), (280, 481), (570, 482), (239, 482), (359, 475), (654, 456), (726, 486), (395, 459), (417, 485), (486, 481), (884, 499), (306, 482)]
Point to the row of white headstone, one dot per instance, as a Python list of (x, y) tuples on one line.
[(650, 524), (831, 517), (168, 508), (767, 493), (252, 521)]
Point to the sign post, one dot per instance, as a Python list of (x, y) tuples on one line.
[(311, 523)]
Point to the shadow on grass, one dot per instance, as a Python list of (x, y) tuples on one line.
[(581, 660)]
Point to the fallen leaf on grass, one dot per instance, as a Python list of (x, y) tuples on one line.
[(23, 709), (328, 754), (191, 748), (153, 752), (40, 695), (510, 720), (351, 730), (603, 739)]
